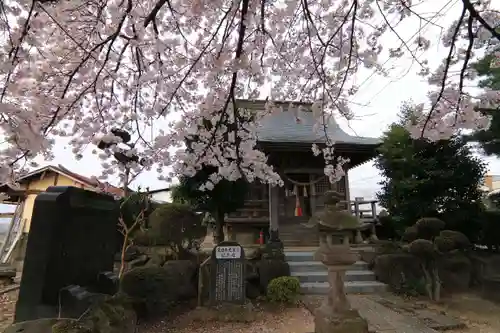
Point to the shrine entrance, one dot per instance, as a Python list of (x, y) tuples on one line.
[(297, 195)]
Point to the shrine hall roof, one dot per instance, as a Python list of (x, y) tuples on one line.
[(298, 127)]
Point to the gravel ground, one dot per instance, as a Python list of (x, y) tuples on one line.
[(480, 316), (291, 320), (7, 308)]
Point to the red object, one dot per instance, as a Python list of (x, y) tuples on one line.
[(261, 237)]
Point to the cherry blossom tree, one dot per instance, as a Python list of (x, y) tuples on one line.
[(75, 68)]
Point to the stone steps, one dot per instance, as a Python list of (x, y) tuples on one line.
[(313, 275), (294, 234), (350, 276)]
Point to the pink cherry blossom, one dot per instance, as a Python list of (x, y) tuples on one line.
[(169, 70)]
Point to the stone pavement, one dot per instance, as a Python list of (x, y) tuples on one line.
[(394, 318)]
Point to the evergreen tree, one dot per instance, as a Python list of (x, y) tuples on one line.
[(430, 179), (489, 140), (226, 197)]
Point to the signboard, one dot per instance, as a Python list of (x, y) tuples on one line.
[(227, 274), (228, 252)]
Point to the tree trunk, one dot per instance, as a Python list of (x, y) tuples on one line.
[(428, 282), (219, 227), (436, 283)]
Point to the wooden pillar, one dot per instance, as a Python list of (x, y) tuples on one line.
[(273, 213), (356, 208), (347, 192), (312, 194)]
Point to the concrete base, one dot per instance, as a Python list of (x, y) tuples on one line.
[(325, 321)]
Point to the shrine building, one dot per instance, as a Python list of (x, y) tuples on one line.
[(286, 138)]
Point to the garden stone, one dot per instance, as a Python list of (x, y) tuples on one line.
[(107, 283), (36, 326), (140, 261)]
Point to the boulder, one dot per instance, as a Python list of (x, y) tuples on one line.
[(37, 326), (139, 261)]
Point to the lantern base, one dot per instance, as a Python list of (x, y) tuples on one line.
[(341, 322)]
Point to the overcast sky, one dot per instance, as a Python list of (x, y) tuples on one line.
[(375, 105)]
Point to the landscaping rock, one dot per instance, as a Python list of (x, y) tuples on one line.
[(37, 326), (7, 271), (140, 261)]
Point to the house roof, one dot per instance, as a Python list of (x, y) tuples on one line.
[(298, 126), (158, 190), (91, 182)]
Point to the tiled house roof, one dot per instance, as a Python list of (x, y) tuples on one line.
[(298, 126), (90, 182)]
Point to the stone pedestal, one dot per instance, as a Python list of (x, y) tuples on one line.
[(335, 314)]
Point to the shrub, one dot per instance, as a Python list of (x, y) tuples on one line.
[(428, 242), (459, 240), (429, 227), (490, 221), (284, 289), (176, 226), (389, 228), (410, 234), (155, 289), (412, 287)]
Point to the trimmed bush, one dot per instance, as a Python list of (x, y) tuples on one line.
[(284, 289), (269, 269), (490, 221), (156, 289), (176, 226)]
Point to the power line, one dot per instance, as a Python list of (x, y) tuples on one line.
[(364, 179)]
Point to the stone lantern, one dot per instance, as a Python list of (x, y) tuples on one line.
[(335, 226)]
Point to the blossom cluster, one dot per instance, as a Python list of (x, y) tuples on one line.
[(169, 71)]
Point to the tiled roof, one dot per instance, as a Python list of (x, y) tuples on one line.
[(298, 127), (91, 182)]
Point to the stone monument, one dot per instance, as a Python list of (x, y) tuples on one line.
[(227, 282), (335, 227), (71, 241)]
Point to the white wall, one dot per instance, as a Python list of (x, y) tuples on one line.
[(163, 196)]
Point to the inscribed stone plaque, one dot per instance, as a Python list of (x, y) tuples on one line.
[(227, 280), (71, 240)]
